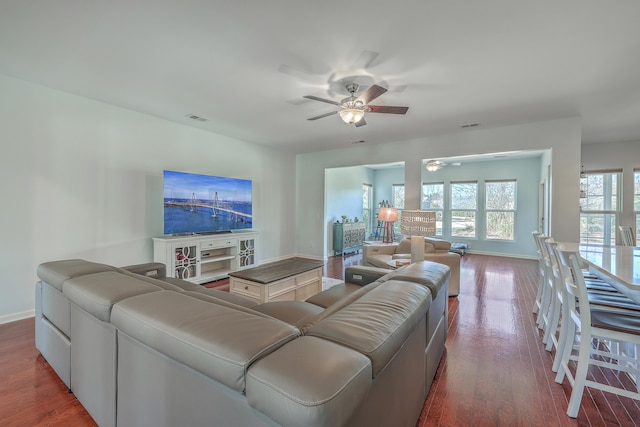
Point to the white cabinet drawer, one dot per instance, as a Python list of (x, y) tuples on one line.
[(210, 244)]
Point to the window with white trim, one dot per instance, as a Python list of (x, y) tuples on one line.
[(464, 205), (500, 210), (433, 200), (397, 195), (636, 201), (367, 207), (600, 207)]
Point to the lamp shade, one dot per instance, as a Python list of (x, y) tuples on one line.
[(388, 214), (418, 223)]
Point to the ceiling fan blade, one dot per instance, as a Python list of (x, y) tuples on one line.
[(360, 122), (364, 60), (315, 98), (323, 115), (372, 93), (387, 109)]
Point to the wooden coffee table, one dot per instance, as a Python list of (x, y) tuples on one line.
[(397, 263), (291, 279)]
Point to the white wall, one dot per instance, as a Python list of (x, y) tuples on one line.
[(344, 184), (344, 195), (83, 179), (562, 136)]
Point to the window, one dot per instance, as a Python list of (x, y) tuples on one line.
[(367, 207), (464, 202), (636, 201), (600, 207), (500, 209), (433, 200), (397, 195)]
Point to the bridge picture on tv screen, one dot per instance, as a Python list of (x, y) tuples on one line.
[(195, 203)]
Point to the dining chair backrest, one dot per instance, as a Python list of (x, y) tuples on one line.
[(626, 233), (576, 289)]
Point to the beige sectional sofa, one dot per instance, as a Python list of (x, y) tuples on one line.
[(436, 250), (137, 348)]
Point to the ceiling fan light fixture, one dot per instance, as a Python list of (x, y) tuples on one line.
[(433, 166), (351, 115)]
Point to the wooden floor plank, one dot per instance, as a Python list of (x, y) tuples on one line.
[(495, 370)]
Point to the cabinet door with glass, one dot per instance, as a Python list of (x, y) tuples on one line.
[(185, 259), (247, 252)]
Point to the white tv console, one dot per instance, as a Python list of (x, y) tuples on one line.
[(204, 258)]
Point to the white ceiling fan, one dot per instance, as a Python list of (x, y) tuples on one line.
[(436, 165)]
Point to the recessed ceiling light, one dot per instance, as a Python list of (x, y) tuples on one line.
[(194, 117), (470, 125)]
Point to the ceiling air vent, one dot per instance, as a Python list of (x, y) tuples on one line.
[(469, 125), (194, 117)]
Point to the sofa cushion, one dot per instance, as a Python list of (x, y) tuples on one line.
[(96, 293), (379, 322), (332, 295), (291, 312), (428, 273), (340, 304), (167, 286), (309, 382), (56, 272), (379, 260), (217, 294), (219, 342)]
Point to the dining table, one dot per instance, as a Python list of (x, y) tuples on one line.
[(617, 265)]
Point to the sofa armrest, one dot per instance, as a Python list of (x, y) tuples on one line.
[(149, 269), (368, 250), (363, 275), (438, 244), (452, 260), (380, 249)]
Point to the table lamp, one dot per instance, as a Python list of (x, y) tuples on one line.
[(389, 215), (418, 224)]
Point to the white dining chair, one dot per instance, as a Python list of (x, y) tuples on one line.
[(595, 326), (541, 272), (599, 292), (626, 233), (543, 305)]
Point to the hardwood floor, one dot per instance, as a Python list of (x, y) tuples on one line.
[(495, 370)]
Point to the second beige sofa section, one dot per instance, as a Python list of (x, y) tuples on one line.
[(436, 250)]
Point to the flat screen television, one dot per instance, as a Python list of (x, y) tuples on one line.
[(205, 204)]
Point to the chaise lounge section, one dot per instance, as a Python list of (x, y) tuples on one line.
[(436, 250), (139, 350)]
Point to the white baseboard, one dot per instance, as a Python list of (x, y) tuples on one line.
[(500, 254), (17, 316)]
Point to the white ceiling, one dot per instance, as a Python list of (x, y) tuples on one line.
[(245, 65)]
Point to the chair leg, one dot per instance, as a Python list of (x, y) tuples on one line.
[(536, 304), (565, 322), (580, 378), (566, 350), (544, 304), (553, 325)]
